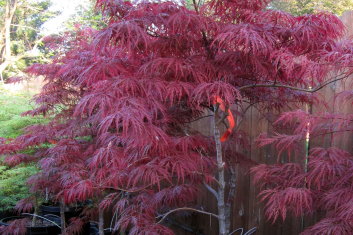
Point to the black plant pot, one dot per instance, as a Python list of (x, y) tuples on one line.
[(34, 230), (7, 213), (48, 209), (55, 210)]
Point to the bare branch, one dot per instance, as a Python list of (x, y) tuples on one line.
[(25, 26), (196, 5), (274, 85), (211, 190), (183, 209), (202, 117), (223, 117)]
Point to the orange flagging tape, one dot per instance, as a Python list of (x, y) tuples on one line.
[(230, 118)]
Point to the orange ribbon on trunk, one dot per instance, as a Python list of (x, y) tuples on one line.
[(230, 118)]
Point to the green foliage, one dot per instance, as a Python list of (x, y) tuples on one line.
[(86, 16), (12, 185), (190, 3), (301, 7), (13, 180)]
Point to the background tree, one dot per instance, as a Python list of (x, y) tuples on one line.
[(301, 7), (123, 99), (20, 39), (86, 15)]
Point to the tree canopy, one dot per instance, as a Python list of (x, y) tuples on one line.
[(301, 7)]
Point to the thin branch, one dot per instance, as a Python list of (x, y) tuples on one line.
[(134, 190), (196, 6), (211, 190), (25, 26), (273, 86), (238, 229), (155, 35), (329, 82), (200, 118), (43, 218), (223, 117), (251, 231), (292, 87), (204, 37), (327, 133), (243, 115), (182, 209)]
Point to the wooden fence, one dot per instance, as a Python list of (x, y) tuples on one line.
[(247, 210)]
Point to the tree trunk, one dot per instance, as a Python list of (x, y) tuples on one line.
[(101, 221), (7, 26), (10, 9), (222, 220), (36, 209), (231, 194), (2, 44), (62, 217)]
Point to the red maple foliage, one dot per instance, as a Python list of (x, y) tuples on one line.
[(122, 100), (322, 184), (15, 227)]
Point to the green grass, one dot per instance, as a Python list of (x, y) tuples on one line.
[(13, 179), (11, 121)]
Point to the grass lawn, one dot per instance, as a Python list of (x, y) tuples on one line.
[(12, 180), (11, 121)]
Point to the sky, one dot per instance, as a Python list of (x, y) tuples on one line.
[(67, 9)]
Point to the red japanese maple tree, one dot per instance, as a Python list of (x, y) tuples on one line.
[(123, 100)]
